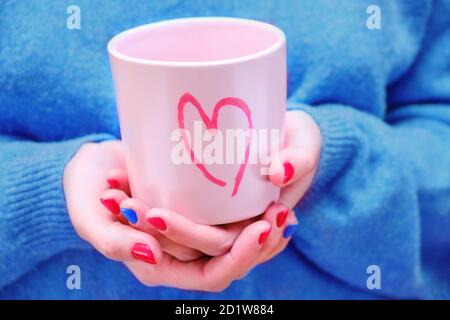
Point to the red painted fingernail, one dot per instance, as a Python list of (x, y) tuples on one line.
[(111, 205), (281, 218), (158, 223), (143, 252), (263, 236), (113, 183), (288, 171)]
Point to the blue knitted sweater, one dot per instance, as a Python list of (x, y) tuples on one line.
[(380, 96)]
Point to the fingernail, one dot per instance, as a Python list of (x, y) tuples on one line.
[(158, 223), (263, 236), (130, 214), (288, 171), (281, 217), (289, 230), (113, 183), (143, 252), (111, 205)]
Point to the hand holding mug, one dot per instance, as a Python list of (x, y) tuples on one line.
[(230, 70), (239, 246), (154, 242)]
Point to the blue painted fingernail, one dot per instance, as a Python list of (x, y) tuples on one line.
[(289, 230), (130, 214)]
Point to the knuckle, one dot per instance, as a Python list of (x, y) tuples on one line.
[(111, 251), (178, 251), (188, 255), (222, 247)]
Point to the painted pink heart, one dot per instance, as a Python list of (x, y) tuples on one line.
[(211, 123)]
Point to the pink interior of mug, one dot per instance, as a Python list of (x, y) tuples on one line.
[(198, 40)]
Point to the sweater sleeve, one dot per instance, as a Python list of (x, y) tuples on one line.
[(377, 185), (382, 192), (34, 224)]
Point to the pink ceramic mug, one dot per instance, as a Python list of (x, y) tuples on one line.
[(215, 74)]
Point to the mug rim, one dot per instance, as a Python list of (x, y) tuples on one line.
[(114, 52)]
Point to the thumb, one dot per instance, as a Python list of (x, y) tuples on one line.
[(290, 165)]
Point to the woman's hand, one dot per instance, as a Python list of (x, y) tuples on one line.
[(253, 245), (293, 170), (85, 182), (200, 240), (294, 167), (256, 241), (251, 241), (173, 228), (152, 242)]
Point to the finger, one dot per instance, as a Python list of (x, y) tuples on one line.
[(288, 231), (134, 211), (123, 243), (179, 252), (291, 194), (290, 165), (212, 240), (118, 179), (221, 271), (207, 274), (111, 199), (302, 147), (276, 215)]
